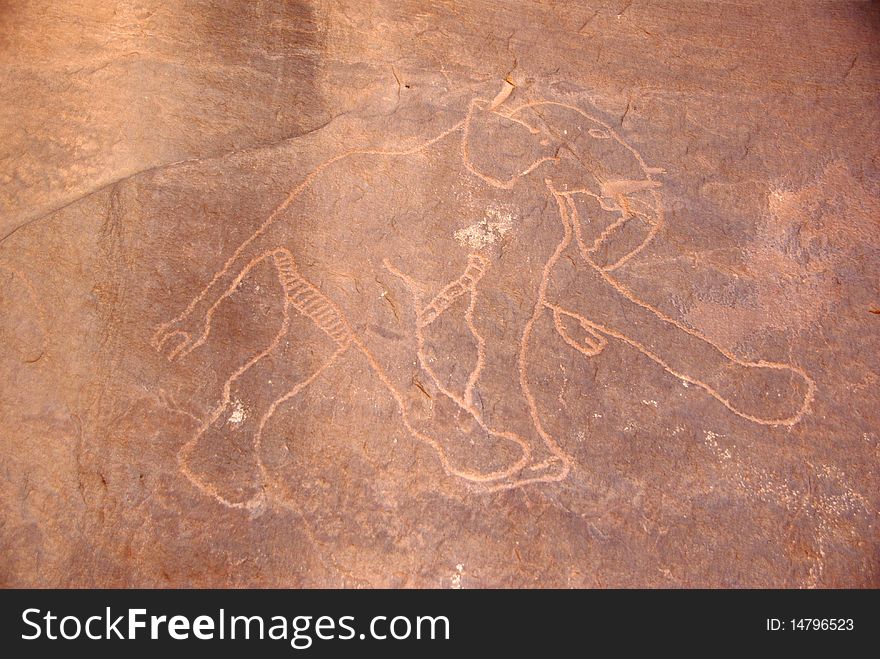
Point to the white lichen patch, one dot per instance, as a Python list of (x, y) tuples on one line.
[(238, 415), (456, 577), (496, 223)]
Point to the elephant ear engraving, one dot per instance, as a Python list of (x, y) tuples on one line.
[(500, 148)]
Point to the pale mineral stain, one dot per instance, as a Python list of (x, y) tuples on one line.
[(496, 223), (238, 415), (456, 577), (711, 441)]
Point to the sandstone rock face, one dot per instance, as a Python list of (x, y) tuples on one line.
[(439, 294)]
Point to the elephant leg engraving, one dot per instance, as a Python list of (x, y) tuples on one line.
[(763, 392), (224, 457), (467, 446), (490, 391)]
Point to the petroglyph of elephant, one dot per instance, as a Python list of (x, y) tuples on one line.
[(437, 263)]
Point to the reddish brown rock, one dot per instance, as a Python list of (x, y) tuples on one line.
[(439, 294)]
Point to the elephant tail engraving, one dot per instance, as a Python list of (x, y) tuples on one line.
[(309, 301)]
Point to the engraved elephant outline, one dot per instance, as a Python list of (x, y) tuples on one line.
[(632, 201)]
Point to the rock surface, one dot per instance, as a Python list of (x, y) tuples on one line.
[(444, 294)]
